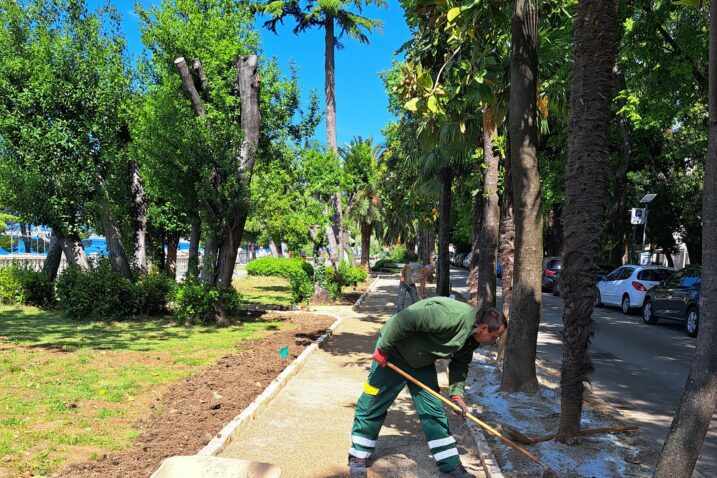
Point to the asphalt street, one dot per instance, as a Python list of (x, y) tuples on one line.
[(640, 369)]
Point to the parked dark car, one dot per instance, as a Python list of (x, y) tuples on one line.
[(676, 298), (603, 271), (551, 269)]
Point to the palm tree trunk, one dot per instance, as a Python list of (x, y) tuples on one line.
[(507, 248), (595, 38), (366, 228), (443, 282), (490, 224), (475, 247), (331, 142), (519, 366), (688, 429)]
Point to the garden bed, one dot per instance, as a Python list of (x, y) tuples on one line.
[(114, 400)]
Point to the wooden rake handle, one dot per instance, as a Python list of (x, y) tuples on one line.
[(482, 424)]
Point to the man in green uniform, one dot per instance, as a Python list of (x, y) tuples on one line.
[(413, 339)]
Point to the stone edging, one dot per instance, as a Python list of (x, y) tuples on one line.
[(222, 439), (360, 300)]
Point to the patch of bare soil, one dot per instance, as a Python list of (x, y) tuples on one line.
[(537, 415), (192, 411)]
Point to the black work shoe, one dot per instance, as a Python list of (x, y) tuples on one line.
[(458, 472), (357, 467)]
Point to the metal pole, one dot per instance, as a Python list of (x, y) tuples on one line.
[(631, 256), (644, 231)]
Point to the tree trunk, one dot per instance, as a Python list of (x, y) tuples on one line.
[(139, 218), (688, 429), (366, 229), (519, 367), (74, 252), (228, 251), (595, 39), (443, 281), (118, 256), (490, 224), (426, 242), (172, 245), (25, 238), (507, 248), (475, 247), (53, 259), (618, 208), (209, 263), (193, 258), (554, 230)]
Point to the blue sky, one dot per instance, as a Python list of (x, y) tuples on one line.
[(361, 102)]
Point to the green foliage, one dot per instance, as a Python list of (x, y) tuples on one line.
[(96, 294), (299, 272), (152, 293), (400, 254), (350, 276), (22, 285), (197, 304)]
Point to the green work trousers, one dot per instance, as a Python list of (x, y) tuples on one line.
[(379, 392)]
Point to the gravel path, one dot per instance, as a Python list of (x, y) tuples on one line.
[(305, 430)]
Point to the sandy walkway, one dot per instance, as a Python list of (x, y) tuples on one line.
[(306, 428)]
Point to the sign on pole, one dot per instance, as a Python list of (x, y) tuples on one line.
[(637, 216)]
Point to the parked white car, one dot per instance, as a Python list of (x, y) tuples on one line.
[(626, 286)]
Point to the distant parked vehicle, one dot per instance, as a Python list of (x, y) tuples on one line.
[(603, 271), (626, 286), (677, 298), (467, 260), (551, 269)]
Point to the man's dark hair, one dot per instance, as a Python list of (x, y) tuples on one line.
[(491, 317)]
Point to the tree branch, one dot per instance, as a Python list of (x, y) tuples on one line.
[(189, 88)]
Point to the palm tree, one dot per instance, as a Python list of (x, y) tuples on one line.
[(595, 40), (328, 14), (688, 429), (360, 163)]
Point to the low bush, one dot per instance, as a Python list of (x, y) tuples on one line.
[(299, 272), (96, 294), (350, 276), (400, 254), (197, 304), (152, 293), (22, 285)]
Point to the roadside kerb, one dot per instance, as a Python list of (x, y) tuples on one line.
[(360, 300), (222, 439)]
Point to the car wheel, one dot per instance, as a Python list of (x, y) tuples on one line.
[(648, 315), (625, 304), (692, 324), (598, 299)]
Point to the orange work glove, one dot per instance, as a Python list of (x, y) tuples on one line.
[(461, 403), (380, 358)]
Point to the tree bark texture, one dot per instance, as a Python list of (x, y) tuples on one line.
[(475, 246), (74, 252), (443, 281), (189, 87), (595, 38), (207, 275), (554, 230), (366, 229), (139, 218), (490, 224), (53, 259), (172, 245), (688, 429), (519, 367), (113, 234), (618, 208), (507, 248), (426, 242), (193, 257)]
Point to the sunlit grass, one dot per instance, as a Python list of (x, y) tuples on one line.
[(264, 290), (69, 386)]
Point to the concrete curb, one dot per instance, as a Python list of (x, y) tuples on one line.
[(227, 434), (360, 300)]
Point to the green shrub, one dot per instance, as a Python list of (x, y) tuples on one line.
[(98, 293), (400, 254), (350, 276), (152, 293), (299, 272), (325, 276), (22, 285), (196, 304)]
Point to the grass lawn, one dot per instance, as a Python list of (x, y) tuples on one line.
[(264, 290), (75, 388)]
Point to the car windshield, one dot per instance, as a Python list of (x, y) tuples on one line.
[(654, 275)]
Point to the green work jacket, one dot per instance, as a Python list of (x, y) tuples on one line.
[(435, 328)]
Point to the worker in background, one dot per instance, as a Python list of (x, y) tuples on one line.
[(413, 339), (413, 273)]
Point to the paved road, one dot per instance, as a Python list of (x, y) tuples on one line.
[(640, 369)]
